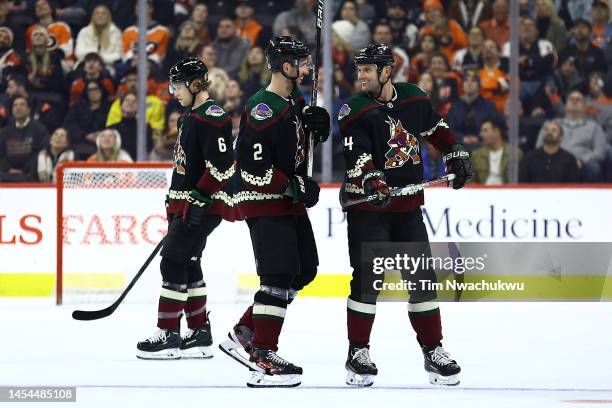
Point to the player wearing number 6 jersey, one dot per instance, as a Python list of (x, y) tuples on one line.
[(203, 164), (276, 192), (383, 128)]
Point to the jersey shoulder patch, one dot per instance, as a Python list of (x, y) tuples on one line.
[(264, 105), (355, 106), (261, 111), (215, 111), (210, 111)]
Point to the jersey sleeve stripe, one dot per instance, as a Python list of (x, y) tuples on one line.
[(219, 124)]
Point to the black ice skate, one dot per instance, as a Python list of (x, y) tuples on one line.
[(273, 371), (162, 345), (197, 343), (441, 368), (238, 345), (360, 370)]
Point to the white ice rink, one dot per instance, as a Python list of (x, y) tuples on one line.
[(511, 354)]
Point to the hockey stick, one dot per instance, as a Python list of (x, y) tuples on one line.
[(315, 79), (408, 190), (100, 314)]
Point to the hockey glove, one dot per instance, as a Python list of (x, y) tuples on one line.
[(197, 204), (457, 161), (316, 122), (374, 183), (304, 190), (167, 206)]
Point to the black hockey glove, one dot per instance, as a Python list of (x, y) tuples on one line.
[(457, 161), (316, 122), (304, 190), (197, 204), (374, 183)]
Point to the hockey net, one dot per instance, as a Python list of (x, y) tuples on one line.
[(110, 218)]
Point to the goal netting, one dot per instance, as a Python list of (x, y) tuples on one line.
[(110, 218)]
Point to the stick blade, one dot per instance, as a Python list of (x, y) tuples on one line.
[(91, 314)]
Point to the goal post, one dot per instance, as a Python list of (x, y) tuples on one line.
[(109, 217)]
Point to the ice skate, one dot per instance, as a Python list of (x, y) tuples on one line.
[(238, 345), (162, 345), (197, 343), (273, 371), (360, 370), (441, 368)]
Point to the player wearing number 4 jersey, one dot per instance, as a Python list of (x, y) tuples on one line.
[(203, 164), (276, 192), (383, 128)]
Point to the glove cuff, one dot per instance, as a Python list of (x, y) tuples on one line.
[(372, 174), (198, 199), (456, 151)]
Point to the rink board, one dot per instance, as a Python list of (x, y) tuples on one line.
[(110, 233)]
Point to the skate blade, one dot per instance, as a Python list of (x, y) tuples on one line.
[(169, 354), (359, 380), (437, 379), (235, 351), (263, 380), (197, 353)]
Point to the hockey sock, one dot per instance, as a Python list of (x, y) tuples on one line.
[(359, 321), (247, 318), (268, 316), (425, 320), (172, 300), (195, 308)]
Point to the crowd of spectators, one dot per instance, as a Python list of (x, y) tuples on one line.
[(68, 76)]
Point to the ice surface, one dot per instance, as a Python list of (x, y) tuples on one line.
[(511, 354)]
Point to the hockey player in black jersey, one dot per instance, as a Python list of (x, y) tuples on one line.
[(276, 192), (383, 128), (203, 164)]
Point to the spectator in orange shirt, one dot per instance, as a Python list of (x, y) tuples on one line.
[(59, 32), (498, 28), (157, 39), (10, 61), (247, 27), (428, 44), (93, 69), (494, 84), (449, 33)]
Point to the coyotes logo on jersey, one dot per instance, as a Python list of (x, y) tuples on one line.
[(300, 153), (404, 146), (179, 160)]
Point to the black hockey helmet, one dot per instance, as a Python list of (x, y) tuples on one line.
[(379, 54), (187, 70), (283, 49)]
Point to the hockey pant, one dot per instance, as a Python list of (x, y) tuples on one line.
[(286, 260), (423, 311), (183, 287)]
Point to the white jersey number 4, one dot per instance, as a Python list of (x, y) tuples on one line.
[(348, 142)]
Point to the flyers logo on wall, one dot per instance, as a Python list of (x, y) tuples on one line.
[(403, 146)]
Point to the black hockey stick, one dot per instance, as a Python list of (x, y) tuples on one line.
[(315, 77), (100, 314), (400, 191)]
